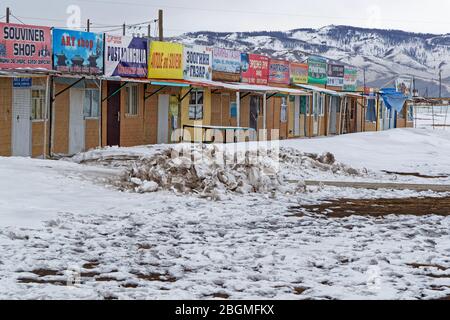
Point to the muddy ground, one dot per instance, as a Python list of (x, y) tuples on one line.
[(342, 208)]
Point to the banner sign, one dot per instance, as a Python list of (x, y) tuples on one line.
[(404, 85), (77, 52), (22, 82), (126, 56), (166, 60), (350, 78), (25, 46), (317, 70), (255, 69), (225, 60), (335, 75), (279, 71), (299, 73), (197, 62)]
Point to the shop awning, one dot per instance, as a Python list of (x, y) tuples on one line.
[(321, 90), (265, 89)]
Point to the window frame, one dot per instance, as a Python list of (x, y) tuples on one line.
[(91, 116), (42, 99), (196, 107), (132, 100)]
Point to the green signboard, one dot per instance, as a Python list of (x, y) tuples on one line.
[(317, 70)]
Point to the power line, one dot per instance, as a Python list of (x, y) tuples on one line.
[(17, 18), (231, 11)]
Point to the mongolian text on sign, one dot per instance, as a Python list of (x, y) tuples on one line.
[(197, 62), (279, 72), (317, 70), (255, 69), (335, 75), (299, 73), (166, 60), (25, 46), (225, 60), (350, 79)]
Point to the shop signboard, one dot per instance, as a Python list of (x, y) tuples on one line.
[(166, 60), (279, 71), (335, 75), (78, 52), (350, 79), (254, 69), (25, 46), (197, 62), (317, 70), (126, 56), (298, 73), (226, 60)]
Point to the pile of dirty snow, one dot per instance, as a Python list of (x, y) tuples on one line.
[(208, 171)]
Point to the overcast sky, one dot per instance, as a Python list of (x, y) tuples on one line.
[(431, 16)]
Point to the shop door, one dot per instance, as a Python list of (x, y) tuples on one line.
[(113, 115), (297, 116), (316, 107), (76, 121), (163, 118), (333, 114), (21, 119), (254, 108)]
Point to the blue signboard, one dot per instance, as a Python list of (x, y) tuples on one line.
[(77, 52), (22, 82)]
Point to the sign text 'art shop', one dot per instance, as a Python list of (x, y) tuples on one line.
[(25, 46), (197, 62), (77, 52)]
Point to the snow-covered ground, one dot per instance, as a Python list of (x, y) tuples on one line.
[(64, 220)]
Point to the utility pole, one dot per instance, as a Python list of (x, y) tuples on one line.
[(8, 12), (88, 27), (160, 25), (149, 31), (364, 73), (440, 83), (124, 31)]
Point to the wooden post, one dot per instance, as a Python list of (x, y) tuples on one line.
[(88, 26), (160, 25), (124, 29), (238, 109), (8, 12)]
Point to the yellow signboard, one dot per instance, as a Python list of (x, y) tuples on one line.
[(166, 60)]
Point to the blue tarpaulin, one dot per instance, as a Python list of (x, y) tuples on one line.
[(393, 99)]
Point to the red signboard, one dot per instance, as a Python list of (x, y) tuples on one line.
[(255, 69), (279, 71), (25, 46)]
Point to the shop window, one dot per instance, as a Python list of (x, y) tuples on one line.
[(132, 100), (38, 104), (233, 110), (304, 101), (91, 103), (196, 105), (410, 115), (371, 114), (283, 113)]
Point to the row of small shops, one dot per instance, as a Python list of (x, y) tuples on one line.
[(65, 91)]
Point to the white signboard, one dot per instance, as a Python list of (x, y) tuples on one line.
[(404, 85), (197, 62), (225, 60)]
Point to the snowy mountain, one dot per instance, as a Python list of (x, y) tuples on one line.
[(385, 54)]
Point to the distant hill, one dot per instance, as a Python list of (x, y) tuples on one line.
[(384, 53)]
